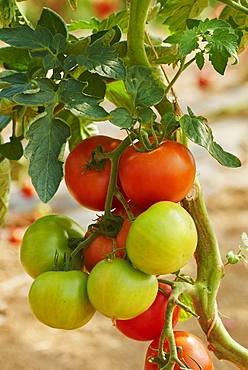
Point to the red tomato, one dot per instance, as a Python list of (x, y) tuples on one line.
[(149, 324), (165, 173), (89, 186), (102, 246), (103, 9), (15, 235), (194, 352), (27, 191), (203, 82)]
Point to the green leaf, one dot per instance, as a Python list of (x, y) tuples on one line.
[(80, 128), (144, 87), (197, 130), (47, 136), (200, 61), (71, 94), (146, 115), (26, 38), (116, 93), (120, 117), (4, 121), (166, 55), (7, 13), (187, 300), (13, 58), (53, 22), (12, 150), (176, 12), (170, 123), (116, 19), (95, 84), (4, 188), (41, 94)]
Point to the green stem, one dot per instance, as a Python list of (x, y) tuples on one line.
[(236, 6), (210, 271), (182, 68), (136, 32), (123, 201), (112, 186), (84, 243)]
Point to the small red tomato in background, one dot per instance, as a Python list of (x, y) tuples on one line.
[(149, 324), (203, 81), (102, 246), (165, 173), (15, 235), (27, 190), (88, 185), (194, 352), (103, 8)]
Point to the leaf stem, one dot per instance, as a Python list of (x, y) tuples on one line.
[(181, 69), (237, 6)]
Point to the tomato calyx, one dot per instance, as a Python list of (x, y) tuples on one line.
[(98, 159)]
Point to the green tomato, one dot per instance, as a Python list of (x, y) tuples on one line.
[(162, 239), (59, 299), (46, 237), (119, 291)]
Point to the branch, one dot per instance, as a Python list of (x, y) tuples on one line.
[(237, 6), (210, 271)]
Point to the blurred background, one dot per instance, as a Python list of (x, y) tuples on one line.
[(27, 344)]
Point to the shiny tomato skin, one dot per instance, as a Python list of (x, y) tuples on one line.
[(149, 325), (165, 173), (46, 237), (119, 291), (89, 186), (59, 299), (162, 239), (192, 348), (101, 246)]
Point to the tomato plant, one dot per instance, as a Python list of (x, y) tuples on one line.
[(162, 239), (46, 243), (119, 291), (165, 173), (55, 84), (86, 179), (59, 299), (149, 324), (192, 352)]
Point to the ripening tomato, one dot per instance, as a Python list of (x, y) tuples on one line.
[(15, 235), (46, 237), (89, 186), (59, 299), (149, 324), (165, 173), (27, 191), (162, 239), (103, 8), (119, 291), (101, 246), (194, 352)]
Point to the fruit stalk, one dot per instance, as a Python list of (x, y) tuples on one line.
[(210, 271)]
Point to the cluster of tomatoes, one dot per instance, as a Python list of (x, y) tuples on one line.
[(117, 274)]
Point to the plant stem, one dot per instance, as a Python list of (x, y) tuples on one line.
[(125, 204), (136, 32), (112, 186), (84, 243), (237, 6), (182, 68), (210, 271)]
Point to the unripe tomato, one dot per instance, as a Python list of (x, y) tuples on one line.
[(194, 352), (149, 324), (89, 186), (59, 299), (46, 237), (165, 173), (101, 246), (103, 8), (162, 239), (119, 291)]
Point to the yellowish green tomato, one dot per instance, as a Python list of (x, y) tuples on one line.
[(46, 237), (59, 299), (119, 291), (162, 239)]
